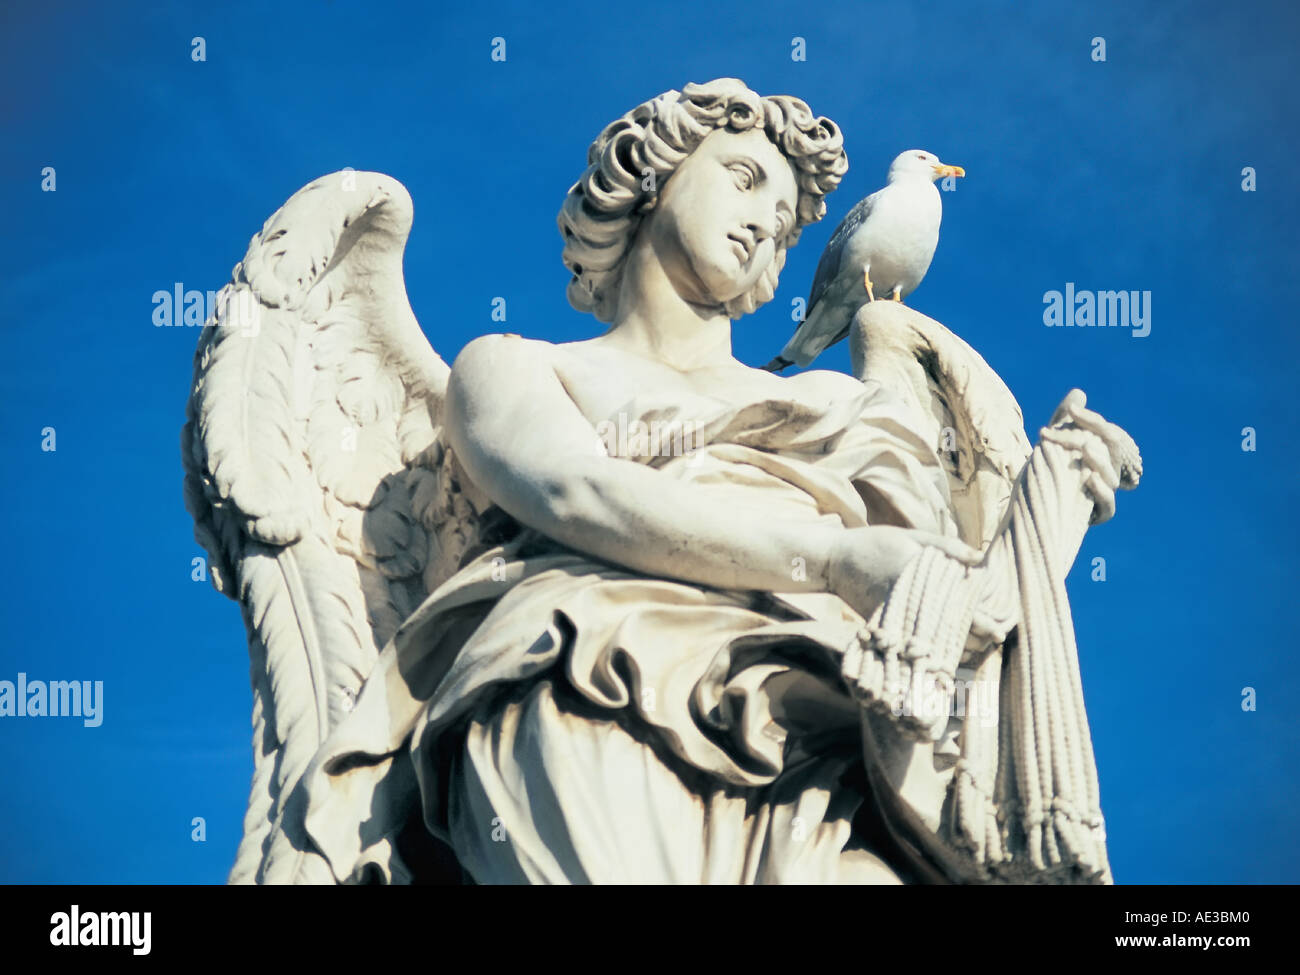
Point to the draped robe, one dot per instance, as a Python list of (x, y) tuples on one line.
[(557, 718)]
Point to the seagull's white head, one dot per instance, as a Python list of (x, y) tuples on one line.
[(919, 164)]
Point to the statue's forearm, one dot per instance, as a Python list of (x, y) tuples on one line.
[(635, 516), (529, 449)]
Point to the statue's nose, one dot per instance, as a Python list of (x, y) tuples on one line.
[(762, 229)]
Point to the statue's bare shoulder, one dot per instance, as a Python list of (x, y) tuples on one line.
[(600, 377), (502, 384)]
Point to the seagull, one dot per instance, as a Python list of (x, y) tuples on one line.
[(882, 248)]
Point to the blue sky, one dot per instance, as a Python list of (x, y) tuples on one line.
[(1122, 174)]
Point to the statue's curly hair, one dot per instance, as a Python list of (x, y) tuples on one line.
[(603, 209)]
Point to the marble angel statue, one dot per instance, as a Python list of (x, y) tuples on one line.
[(493, 641)]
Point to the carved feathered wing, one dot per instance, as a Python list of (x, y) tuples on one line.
[(977, 428), (975, 422), (313, 471), (1017, 799)]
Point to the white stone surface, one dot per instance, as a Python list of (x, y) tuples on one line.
[(620, 609)]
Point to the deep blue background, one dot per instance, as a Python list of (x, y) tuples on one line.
[(1117, 175)]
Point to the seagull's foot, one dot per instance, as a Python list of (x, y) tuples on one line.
[(898, 294), (866, 279)]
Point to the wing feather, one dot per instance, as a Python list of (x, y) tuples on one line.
[(974, 421), (316, 479), (248, 446), (828, 268)]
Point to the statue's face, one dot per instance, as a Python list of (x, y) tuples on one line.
[(719, 216)]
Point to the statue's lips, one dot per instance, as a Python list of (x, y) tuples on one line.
[(745, 247)]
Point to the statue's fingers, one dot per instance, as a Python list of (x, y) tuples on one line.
[(1098, 456), (1095, 451), (1123, 450), (1103, 497), (1092, 420), (952, 547), (1074, 400)]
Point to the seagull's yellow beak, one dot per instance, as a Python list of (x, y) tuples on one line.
[(941, 171)]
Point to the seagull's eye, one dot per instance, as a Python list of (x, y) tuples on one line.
[(921, 157)]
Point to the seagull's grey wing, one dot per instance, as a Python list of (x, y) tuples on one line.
[(829, 266)]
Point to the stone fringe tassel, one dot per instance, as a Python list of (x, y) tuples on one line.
[(1024, 802)]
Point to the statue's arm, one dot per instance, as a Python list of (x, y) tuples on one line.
[(526, 444)]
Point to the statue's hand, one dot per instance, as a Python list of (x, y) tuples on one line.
[(1108, 453), (865, 562)]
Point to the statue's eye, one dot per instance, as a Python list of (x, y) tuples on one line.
[(744, 176)]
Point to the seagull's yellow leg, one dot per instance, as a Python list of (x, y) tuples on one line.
[(866, 279), (898, 293)]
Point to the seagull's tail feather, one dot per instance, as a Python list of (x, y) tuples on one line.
[(810, 339)]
